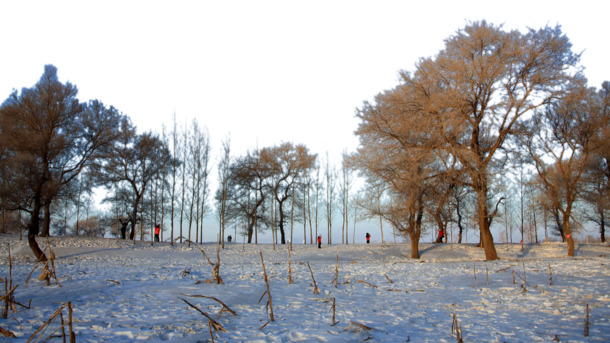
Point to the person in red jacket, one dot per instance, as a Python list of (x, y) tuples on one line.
[(441, 235), (157, 231), (368, 238), (319, 241)]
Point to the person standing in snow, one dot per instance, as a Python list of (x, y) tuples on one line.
[(368, 238), (441, 235), (319, 241), (229, 238), (157, 231)]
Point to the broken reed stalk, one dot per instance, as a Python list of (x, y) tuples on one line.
[(216, 270), (336, 279), (7, 333), (8, 284), (210, 329), (456, 327), (315, 285), (522, 279), (370, 284), (9, 290), (290, 281), (46, 273), (524, 276), (63, 331), (52, 260), (224, 306), (514, 277), (551, 274), (476, 283), (269, 303), (50, 320), (587, 322), (487, 275), (216, 266), (333, 308), (216, 325), (72, 334), (386, 276)]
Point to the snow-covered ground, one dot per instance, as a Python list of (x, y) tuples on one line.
[(124, 292)]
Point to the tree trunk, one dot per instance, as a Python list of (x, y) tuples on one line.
[(414, 245), (33, 231), (459, 224), (46, 223), (602, 228), (487, 240), (568, 231), (282, 233)]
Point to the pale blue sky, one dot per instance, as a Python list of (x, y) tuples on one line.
[(265, 71)]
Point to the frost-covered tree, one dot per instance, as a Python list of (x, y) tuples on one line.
[(47, 137)]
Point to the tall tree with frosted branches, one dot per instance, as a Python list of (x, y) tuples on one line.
[(474, 92), (47, 137)]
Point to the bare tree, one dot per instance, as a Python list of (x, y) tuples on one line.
[(595, 193), (331, 179), (344, 195), (134, 161), (175, 164), (563, 133), (286, 162), (223, 179)]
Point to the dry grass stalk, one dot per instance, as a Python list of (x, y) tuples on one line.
[(113, 281), (522, 279), (359, 326), (264, 325), (51, 319), (487, 274), (524, 276), (7, 333), (72, 335), (335, 280), (8, 298), (63, 331), (505, 269), (333, 308), (456, 327), (216, 325), (184, 273), (514, 277), (8, 284), (587, 322), (290, 280), (210, 329), (476, 283), (370, 284), (216, 266), (224, 306), (46, 273), (268, 292), (315, 285), (386, 276), (551, 274)]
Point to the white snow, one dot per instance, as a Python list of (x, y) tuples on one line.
[(126, 292)]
